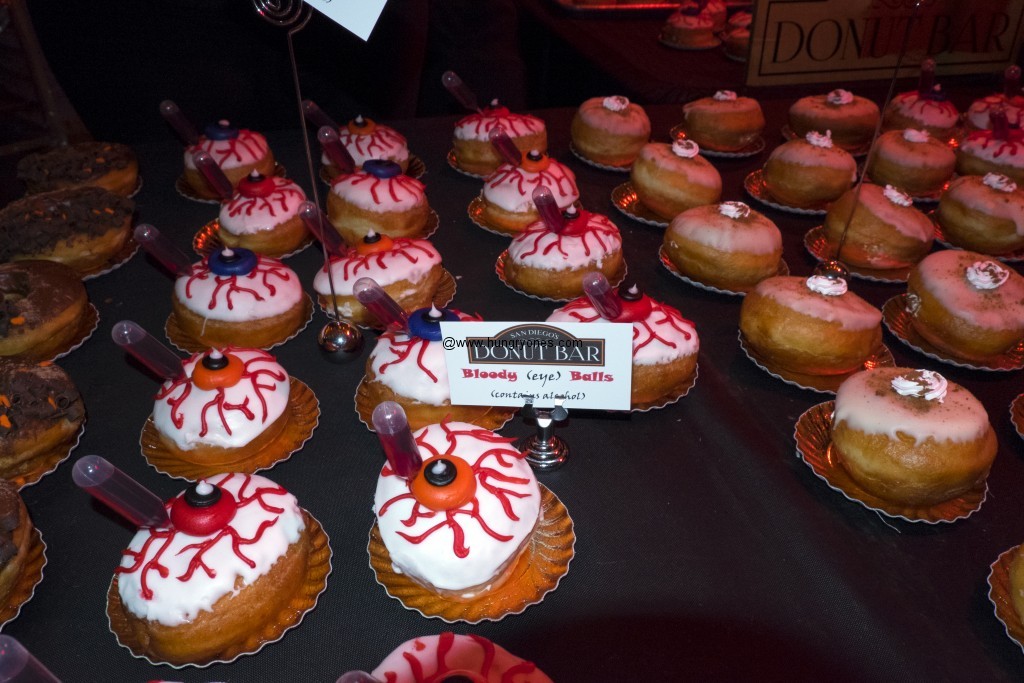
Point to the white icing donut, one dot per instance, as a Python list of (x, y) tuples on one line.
[(382, 143), (977, 195), (468, 547), (849, 310), (225, 417), (728, 227), (696, 170), (157, 580), (868, 403), (630, 120), (432, 658), (478, 126), (408, 259), (413, 367), (944, 275), (270, 289), (249, 215), (511, 187), (682, 19), (803, 153), (379, 195), (248, 148), (589, 240), (662, 337)]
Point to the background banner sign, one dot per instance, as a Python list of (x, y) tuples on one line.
[(500, 363), (809, 41)]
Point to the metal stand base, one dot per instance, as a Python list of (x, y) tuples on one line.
[(545, 454)]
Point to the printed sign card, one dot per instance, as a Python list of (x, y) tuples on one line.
[(358, 16), (501, 363)]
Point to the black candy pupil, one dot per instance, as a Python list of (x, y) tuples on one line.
[(440, 473), (198, 500)]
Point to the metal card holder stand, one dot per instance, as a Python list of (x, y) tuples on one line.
[(545, 451)]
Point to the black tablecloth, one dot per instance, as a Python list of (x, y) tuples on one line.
[(705, 548)]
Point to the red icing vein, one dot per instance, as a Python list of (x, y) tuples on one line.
[(583, 228), (382, 188), (443, 667)]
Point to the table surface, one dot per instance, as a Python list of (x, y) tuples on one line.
[(705, 548)]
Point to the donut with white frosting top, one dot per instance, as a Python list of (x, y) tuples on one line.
[(408, 270), (610, 130), (258, 307), (434, 658), (912, 160), (809, 172), (930, 111), (671, 178), (814, 326), (910, 436), (216, 581), (881, 226), (966, 304), (467, 550), (724, 122), (189, 417), (983, 214), (665, 344), (550, 264), (690, 27), (471, 146), (263, 216), (728, 245), (508, 192), (378, 198), (851, 118), (365, 139)]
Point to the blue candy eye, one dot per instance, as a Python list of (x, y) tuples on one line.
[(382, 168), (231, 262), (222, 130), (422, 325)]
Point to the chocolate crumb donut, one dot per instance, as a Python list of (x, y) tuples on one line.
[(83, 228), (107, 165), (40, 409), (41, 308)]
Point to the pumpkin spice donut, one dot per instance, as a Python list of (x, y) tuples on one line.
[(42, 308)]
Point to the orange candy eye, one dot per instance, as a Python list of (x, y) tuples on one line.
[(381, 243), (207, 378), (444, 483), (535, 163), (366, 129)]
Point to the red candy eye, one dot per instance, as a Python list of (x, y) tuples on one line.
[(203, 510)]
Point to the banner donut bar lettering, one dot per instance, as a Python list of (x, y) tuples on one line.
[(814, 41), (501, 363)]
